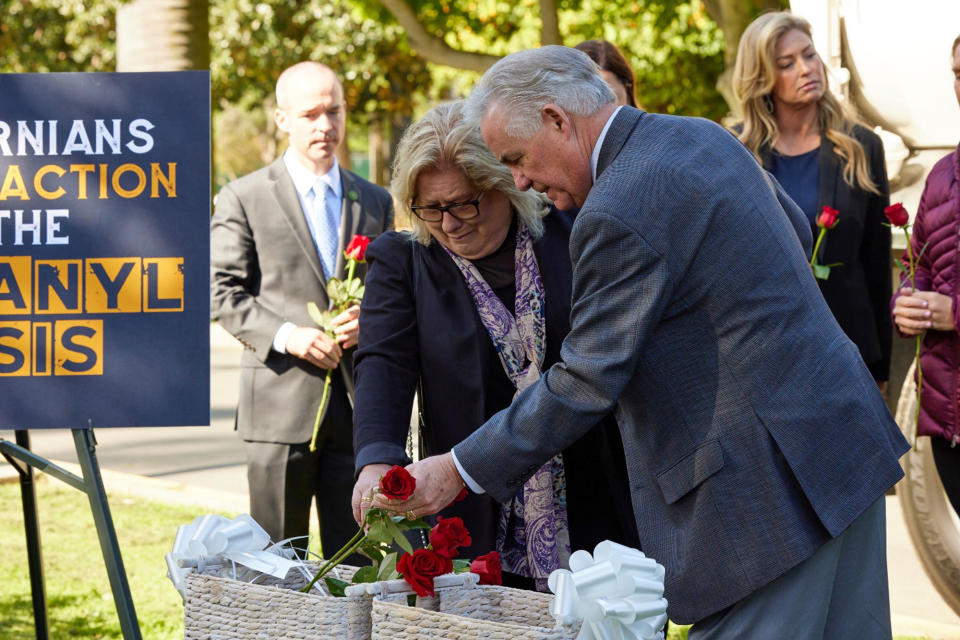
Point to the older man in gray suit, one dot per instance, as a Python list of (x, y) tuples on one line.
[(759, 448), (277, 235)]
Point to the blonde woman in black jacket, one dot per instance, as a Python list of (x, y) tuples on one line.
[(813, 145)]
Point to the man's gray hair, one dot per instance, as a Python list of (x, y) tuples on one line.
[(521, 83), (443, 138)]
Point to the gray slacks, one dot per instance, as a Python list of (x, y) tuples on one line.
[(838, 593)]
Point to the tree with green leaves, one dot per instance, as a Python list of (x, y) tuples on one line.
[(676, 47)]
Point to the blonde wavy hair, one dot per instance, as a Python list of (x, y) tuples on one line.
[(444, 137), (754, 76)]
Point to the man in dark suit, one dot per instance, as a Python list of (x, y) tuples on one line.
[(759, 449), (277, 235)]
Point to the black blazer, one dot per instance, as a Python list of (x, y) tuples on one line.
[(858, 292), (435, 333)]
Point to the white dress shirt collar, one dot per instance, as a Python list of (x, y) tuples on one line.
[(304, 179), (595, 156)]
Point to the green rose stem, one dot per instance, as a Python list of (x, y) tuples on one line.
[(816, 247), (919, 340), (325, 398), (352, 545)]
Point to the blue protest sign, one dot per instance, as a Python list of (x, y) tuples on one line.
[(104, 249)]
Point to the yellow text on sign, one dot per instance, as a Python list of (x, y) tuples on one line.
[(61, 348), (93, 285)]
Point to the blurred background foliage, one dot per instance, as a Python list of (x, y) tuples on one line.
[(396, 58)]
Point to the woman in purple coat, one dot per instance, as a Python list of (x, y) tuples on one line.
[(933, 308)]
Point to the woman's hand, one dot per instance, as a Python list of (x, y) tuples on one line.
[(367, 482), (916, 311)]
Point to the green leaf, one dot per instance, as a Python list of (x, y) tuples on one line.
[(388, 567), (365, 574), (374, 550), (355, 288), (822, 272), (315, 314), (379, 531), (397, 534), (336, 586), (404, 524), (335, 291), (461, 566)]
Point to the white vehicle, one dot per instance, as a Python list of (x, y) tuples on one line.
[(892, 60)]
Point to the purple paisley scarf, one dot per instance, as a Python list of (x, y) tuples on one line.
[(532, 537)]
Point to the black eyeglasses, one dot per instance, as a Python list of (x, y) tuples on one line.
[(459, 210)]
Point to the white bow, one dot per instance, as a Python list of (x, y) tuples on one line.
[(617, 593), (215, 540)]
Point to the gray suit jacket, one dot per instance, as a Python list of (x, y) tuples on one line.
[(753, 431), (264, 270)]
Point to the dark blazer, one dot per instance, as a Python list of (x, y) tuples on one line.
[(264, 270), (858, 291), (753, 430), (435, 333)]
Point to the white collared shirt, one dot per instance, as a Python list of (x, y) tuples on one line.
[(595, 156), (303, 181)]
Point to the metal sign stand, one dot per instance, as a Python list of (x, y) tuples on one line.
[(23, 460)]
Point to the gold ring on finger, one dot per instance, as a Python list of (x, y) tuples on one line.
[(411, 515)]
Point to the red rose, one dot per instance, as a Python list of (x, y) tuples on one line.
[(448, 536), (897, 215), (488, 568), (397, 483), (828, 219), (357, 249), (421, 568)]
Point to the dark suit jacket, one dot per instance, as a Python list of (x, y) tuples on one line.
[(753, 430), (264, 270), (858, 292), (436, 333)]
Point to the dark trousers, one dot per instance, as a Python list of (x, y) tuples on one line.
[(838, 593), (947, 459), (284, 480)]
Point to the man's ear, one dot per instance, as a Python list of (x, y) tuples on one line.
[(280, 117), (556, 119)]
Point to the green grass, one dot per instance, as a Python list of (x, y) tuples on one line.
[(79, 599)]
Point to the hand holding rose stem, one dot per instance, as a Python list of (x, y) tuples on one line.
[(419, 567), (899, 217), (396, 484), (342, 295)]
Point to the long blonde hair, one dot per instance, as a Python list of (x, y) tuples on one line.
[(754, 76)]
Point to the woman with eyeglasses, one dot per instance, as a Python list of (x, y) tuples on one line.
[(471, 306)]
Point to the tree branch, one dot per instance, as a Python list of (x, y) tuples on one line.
[(432, 48), (549, 24)]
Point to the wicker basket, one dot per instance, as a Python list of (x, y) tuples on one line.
[(475, 613), (217, 608)]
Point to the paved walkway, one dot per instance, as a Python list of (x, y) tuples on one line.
[(204, 466)]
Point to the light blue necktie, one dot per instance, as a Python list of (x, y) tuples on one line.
[(326, 226)]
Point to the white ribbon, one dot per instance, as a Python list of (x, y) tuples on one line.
[(213, 540), (617, 593), (385, 587)]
